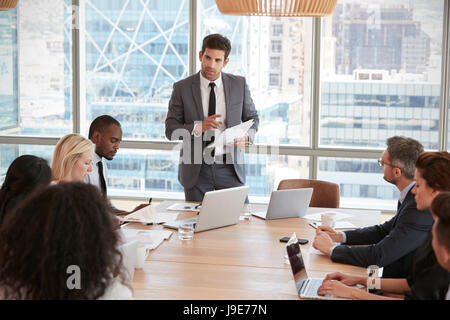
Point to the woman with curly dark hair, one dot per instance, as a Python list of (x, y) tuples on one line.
[(24, 174), (61, 229)]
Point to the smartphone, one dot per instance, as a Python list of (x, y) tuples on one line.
[(300, 241)]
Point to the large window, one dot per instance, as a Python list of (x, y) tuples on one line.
[(274, 55), (36, 69), (135, 51), (380, 77), (381, 74), (329, 91)]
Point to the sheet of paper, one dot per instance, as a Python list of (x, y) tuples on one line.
[(149, 215), (228, 136), (151, 239), (184, 207), (312, 250), (318, 216)]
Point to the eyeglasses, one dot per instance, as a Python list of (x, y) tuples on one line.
[(382, 163)]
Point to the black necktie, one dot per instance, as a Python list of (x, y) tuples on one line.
[(101, 177), (212, 107), (212, 100)]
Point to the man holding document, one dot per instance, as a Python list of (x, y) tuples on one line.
[(214, 114)]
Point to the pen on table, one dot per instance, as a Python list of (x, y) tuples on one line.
[(314, 224)]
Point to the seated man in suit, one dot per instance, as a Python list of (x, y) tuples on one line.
[(390, 245), (200, 106), (106, 133)]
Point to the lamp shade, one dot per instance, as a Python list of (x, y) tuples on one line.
[(7, 4), (277, 8)]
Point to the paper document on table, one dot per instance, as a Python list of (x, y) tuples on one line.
[(151, 239), (338, 225), (227, 137), (313, 250), (318, 216), (185, 207), (149, 215)]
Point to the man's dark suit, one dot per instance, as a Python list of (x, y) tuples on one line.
[(185, 109), (390, 245)]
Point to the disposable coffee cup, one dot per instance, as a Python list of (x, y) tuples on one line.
[(141, 256), (328, 219)]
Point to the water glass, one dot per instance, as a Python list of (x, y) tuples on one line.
[(248, 212), (186, 231)]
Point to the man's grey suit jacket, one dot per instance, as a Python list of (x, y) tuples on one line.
[(390, 245), (185, 110)]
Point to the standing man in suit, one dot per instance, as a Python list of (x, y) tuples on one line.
[(200, 107), (106, 133), (390, 245)]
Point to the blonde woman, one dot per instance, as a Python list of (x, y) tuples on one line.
[(72, 158)]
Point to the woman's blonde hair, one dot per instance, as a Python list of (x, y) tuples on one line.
[(67, 151)]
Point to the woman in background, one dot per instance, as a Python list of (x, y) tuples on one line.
[(24, 175), (63, 229), (440, 207), (72, 158)]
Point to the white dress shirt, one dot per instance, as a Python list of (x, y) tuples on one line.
[(205, 91), (93, 177), (221, 108)]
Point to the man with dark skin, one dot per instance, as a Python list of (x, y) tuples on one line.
[(106, 133)]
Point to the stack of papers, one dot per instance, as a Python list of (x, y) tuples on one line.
[(148, 215)]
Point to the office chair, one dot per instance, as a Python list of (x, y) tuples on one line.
[(325, 194)]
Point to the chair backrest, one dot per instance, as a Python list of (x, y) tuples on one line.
[(325, 194)]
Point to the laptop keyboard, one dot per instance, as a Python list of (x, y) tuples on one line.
[(312, 287)]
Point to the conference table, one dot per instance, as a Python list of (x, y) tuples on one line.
[(242, 261)]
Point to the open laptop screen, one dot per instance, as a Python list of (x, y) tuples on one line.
[(297, 264)]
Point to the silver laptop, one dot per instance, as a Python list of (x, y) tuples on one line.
[(291, 203), (129, 256), (306, 287), (219, 208)]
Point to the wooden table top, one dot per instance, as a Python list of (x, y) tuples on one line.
[(243, 261)]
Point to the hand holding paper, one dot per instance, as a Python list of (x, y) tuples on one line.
[(228, 136)]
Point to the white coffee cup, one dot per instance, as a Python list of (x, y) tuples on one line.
[(328, 219), (141, 255), (186, 231)]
